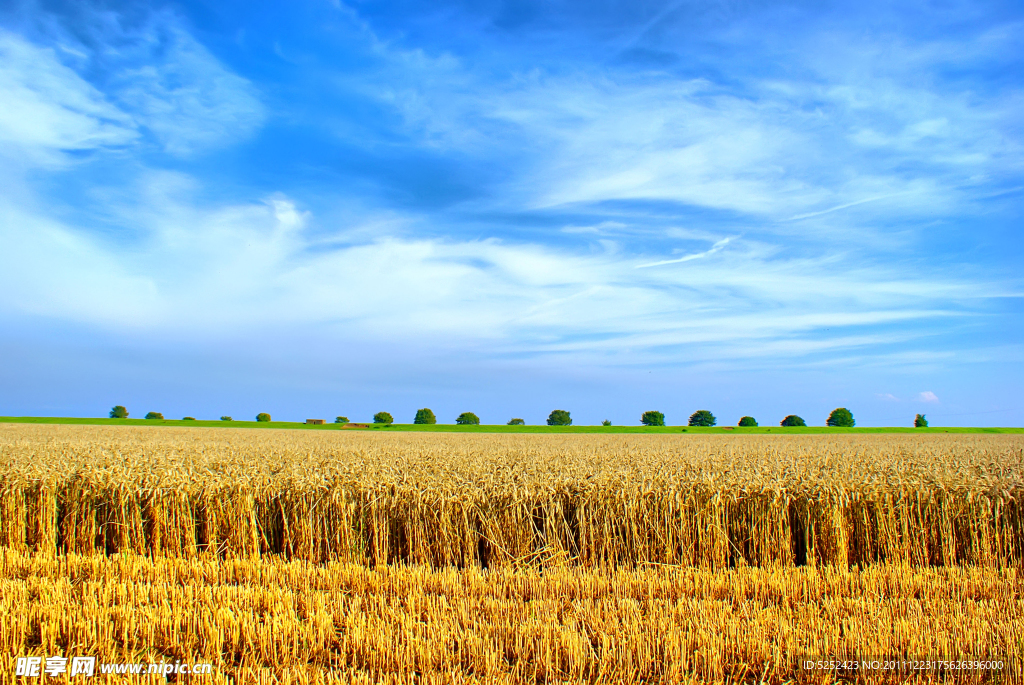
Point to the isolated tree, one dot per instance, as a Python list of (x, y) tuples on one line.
[(841, 418), (559, 417), (263, 417), (652, 418), (424, 416), (606, 422), (341, 419), (792, 420), (702, 418), (226, 418), (383, 417), (747, 422), (155, 415), (468, 418), (119, 412), (920, 421), (516, 422)]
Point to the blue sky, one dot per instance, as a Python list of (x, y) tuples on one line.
[(322, 208)]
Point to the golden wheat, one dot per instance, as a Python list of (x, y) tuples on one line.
[(490, 500), (309, 558)]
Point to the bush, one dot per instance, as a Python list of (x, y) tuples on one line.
[(468, 418), (424, 416), (516, 422), (263, 416), (383, 417), (920, 421), (155, 415), (702, 418), (747, 422), (119, 412), (226, 418), (652, 418), (792, 420), (559, 417), (188, 418), (606, 422), (841, 418), (341, 419)]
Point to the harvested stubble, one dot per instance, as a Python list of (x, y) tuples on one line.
[(274, 621), (487, 500)]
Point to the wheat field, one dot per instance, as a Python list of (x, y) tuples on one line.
[(285, 556)]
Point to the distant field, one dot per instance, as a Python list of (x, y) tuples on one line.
[(452, 428)]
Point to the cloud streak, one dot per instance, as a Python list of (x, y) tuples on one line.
[(718, 246), (837, 208)]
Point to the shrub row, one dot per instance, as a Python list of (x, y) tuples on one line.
[(840, 417)]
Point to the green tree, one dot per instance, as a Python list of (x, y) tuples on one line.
[(263, 417), (516, 422), (226, 418), (792, 420), (559, 417), (341, 419), (383, 417), (155, 415), (468, 418), (920, 421), (652, 418), (702, 418), (188, 418), (424, 416), (747, 422), (119, 412), (841, 418), (606, 422)]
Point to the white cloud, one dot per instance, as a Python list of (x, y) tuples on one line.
[(600, 139), (571, 138), (266, 265), (155, 78), (182, 93), (864, 127), (928, 396), (888, 396), (50, 270), (48, 109)]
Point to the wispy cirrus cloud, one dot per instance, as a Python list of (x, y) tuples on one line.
[(49, 110), (148, 79), (178, 90), (759, 145), (265, 268)]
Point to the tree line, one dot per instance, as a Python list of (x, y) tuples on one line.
[(839, 418)]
